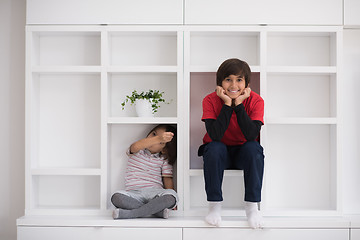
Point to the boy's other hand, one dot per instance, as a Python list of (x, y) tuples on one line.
[(221, 94)]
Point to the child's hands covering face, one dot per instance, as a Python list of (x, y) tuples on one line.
[(166, 137)]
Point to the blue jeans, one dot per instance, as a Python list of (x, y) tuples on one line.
[(248, 157)]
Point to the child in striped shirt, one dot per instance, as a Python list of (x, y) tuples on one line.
[(149, 187)]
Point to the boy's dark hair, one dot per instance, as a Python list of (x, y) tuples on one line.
[(170, 149), (233, 66)]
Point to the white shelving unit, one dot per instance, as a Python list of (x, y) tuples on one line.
[(77, 134), (303, 94), (296, 70)]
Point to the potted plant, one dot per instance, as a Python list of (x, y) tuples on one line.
[(146, 103)]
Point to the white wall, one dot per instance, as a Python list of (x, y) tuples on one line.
[(12, 108)]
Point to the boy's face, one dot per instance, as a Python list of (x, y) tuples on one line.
[(156, 148), (233, 85)]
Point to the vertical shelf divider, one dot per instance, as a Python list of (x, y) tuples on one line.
[(339, 116), (180, 119), (186, 109), (263, 91), (104, 119)]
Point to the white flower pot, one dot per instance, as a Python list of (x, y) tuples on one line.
[(143, 108)]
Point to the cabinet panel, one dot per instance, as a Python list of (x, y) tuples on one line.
[(96, 233), (351, 12), (143, 233), (279, 234), (104, 12), (355, 234), (321, 12)]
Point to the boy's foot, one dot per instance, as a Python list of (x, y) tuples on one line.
[(253, 215), (214, 215)]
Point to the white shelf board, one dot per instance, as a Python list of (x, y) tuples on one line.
[(303, 30), (227, 173), (302, 69), (215, 68), (300, 213), (120, 69), (66, 171), (223, 28), (63, 211), (63, 28), (142, 120), (284, 120), (354, 219), (66, 69), (183, 222)]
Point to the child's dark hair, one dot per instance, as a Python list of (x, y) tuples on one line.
[(170, 149), (233, 66)]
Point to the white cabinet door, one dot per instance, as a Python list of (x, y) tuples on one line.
[(320, 12), (97, 233), (355, 234), (278, 234), (351, 12), (58, 233), (104, 12)]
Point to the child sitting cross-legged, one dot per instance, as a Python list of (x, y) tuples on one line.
[(149, 187)]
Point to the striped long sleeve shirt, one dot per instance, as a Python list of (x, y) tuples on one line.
[(145, 170)]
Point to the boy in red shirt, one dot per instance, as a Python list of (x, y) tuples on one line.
[(233, 117)]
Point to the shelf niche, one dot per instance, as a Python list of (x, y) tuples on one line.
[(301, 163), (122, 84), (66, 49), (202, 84), (66, 192), (53, 121), (143, 48), (117, 157)]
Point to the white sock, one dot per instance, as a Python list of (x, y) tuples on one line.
[(214, 215), (253, 215)]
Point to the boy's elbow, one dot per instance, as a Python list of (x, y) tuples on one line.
[(251, 137)]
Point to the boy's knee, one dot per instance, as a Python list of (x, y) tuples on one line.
[(252, 147), (253, 150), (214, 153), (215, 148)]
